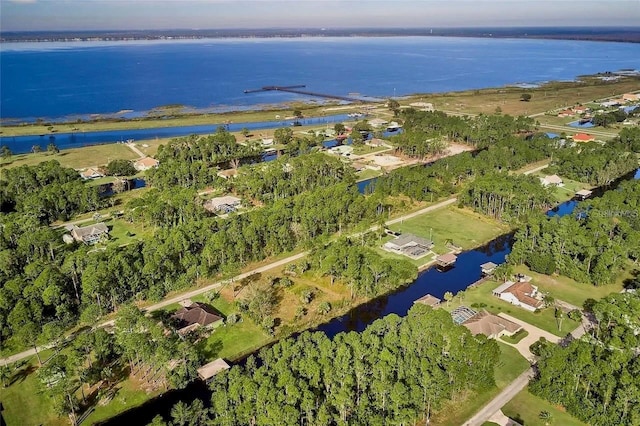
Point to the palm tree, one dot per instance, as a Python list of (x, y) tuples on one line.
[(546, 416), (448, 296)]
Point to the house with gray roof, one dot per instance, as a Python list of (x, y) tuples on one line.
[(409, 245), (90, 234)]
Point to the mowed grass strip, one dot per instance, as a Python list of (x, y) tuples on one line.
[(525, 408)]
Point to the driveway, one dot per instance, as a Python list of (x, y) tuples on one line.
[(535, 334)]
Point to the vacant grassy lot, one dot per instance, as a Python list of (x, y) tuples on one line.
[(482, 295), (571, 291), (510, 366), (77, 158), (464, 227), (525, 408)]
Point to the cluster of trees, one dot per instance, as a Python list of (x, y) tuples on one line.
[(597, 378), (46, 191), (398, 371), (481, 131), (120, 167), (363, 270), (595, 163), (591, 249), (606, 119), (449, 175), (628, 139), (287, 176), (193, 161), (510, 198)]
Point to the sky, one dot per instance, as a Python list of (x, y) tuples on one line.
[(42, 15)]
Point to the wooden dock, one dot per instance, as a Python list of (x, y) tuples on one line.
[(296, 90)]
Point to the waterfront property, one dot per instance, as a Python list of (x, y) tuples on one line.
[(488, 268), (146, 163), (207, 371), (429, 300), (91, 173), (225, 204), (490, 325), (196, 315), (409, 245), (462, 314), (520, 293), (551, 180), (583, 194), (89, 234), (446, 260)]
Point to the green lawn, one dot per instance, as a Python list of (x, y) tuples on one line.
[(525, 408), (368, 174), (465, 228), (233, 341), (366, 149), (521, 334), (544, 319), (23, 401), (510, 366), (127, 397), (77, 158), (568, 290), (569, 188)]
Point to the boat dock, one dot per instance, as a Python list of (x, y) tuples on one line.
[(296, 90)]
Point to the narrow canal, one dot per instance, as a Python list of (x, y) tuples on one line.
[(432, 281)]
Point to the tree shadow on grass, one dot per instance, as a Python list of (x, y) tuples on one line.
[(21, 374)]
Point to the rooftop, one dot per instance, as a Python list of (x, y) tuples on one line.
[(197, 313), (209, 370), (428, 300), (461, 314), (95, 229), (406, 239), (490, 325)]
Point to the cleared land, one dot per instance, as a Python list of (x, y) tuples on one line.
[(525, 408), (77, 158)]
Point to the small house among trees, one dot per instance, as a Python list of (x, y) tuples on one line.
[(194, 316), (90, 234), (521, 294)]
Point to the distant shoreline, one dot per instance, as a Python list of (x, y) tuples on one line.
[(609, 34)]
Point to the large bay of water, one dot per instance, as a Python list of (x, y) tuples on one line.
[(53, 80)]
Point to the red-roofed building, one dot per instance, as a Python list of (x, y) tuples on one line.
[(522, 294), (583, 137), (565, 113)]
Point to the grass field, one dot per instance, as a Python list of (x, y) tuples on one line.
[(464, 227), (521, 334), (550, 96), (482, 294), (510, 366), (525, 408), (128, 396), (571, 291), (77, 158)]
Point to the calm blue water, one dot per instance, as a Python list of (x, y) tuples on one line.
[(23, 144), (581, 125), (61, 79)]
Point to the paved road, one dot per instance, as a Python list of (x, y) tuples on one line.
[(534, 335), (499, 401), (198, 291), (577, 130)]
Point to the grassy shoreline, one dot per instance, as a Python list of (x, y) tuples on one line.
[(551, 95)]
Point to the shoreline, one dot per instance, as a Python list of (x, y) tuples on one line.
[(165, 116)]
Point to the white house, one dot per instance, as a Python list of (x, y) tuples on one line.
[(554, 180), (521, 294), (146, 163)]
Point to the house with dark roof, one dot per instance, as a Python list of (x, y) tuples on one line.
[(521, 293), (409, 245), (196, 315), (90, 234), (490, 325)]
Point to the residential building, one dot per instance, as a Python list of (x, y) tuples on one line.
[(90, 234), (196, 315), (146, 163), (91, 173), (583, 137), (491, 325), (550, 180), (409, 245), (631, 97), (521, 293), (226, 204)]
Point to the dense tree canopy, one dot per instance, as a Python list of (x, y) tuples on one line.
[(396, 372)]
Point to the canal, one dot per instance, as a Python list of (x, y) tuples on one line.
[(432, 281)]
